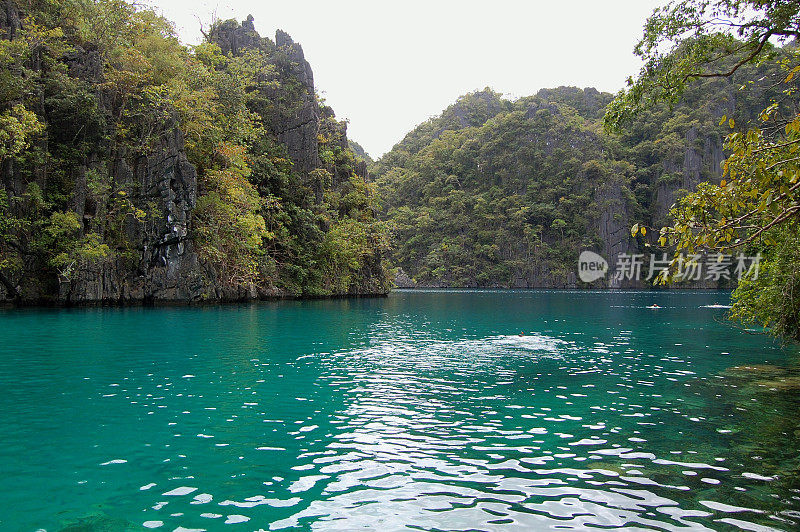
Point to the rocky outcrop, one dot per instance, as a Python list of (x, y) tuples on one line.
[(296, 122), (153, 255), (702, 161), (84, 63), (298, 129), (167, 267), (234, 38), (10, 20), (403, 280), (613, 228)]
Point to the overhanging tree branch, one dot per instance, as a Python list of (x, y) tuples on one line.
[(763, 41)]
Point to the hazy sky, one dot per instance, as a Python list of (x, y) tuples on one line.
[(387, 66)]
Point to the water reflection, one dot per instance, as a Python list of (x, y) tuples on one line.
[(421, 411), (452, 432)]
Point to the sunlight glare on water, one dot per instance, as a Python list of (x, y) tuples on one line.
[(425, 410)]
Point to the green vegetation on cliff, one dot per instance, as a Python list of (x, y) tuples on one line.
[(499, 193), (134, 168), (755, 207), (492, 192)]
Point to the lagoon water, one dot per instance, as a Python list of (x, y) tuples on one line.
[(421, 411)]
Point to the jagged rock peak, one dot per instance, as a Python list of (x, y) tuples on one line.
[(234, 38), (295, 53), (247, 24), (283, 39)]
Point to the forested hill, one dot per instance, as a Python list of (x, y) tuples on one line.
[(136, 169), (500, 193)]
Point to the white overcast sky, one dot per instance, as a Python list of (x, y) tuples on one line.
[(387, 66)]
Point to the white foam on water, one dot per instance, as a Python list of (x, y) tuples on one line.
[(756, 476), (203, 498), (233, 519), (147, 486), (115, 461), (153, 524), (183, 490)]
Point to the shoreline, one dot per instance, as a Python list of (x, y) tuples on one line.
[(143, 303), (134, 303)]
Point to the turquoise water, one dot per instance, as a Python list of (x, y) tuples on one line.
[(421, 411)]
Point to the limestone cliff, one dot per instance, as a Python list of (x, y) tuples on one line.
[(499, 193), (126, 178)]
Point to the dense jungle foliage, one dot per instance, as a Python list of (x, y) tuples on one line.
[(500, 193), (755, 207), (87, 84)]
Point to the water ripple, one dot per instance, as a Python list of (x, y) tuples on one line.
[(393, 419)]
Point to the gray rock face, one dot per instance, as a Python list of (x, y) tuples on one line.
[(233, 38), (10, 20), (85, 63), (299, 129), (297, 125), (403, 280), (702, 161), (168, 268), (157, 260), (613, 227)]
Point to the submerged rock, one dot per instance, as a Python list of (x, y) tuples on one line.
[(759, 370), (790, 382), (99, 522)]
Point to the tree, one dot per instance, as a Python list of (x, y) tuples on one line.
[(17, 125), (691, 39), (228, 227), (756, 204)]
